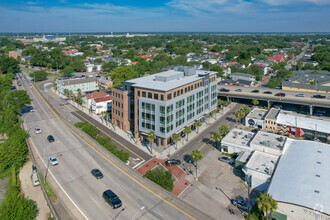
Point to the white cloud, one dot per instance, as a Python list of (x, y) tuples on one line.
[(290, 2), (32, 3)]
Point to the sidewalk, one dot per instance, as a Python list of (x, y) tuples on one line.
[(158, 152)]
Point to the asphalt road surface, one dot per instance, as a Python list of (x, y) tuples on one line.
[(81, 192)]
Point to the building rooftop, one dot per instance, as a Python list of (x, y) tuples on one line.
[(166, 81), (239, 137), (242, 74), (262, 163), (257, 113), (273, 113), (268, 140), (97, 95), (304, 122), (103, 99), (75, 81), (302, 175)]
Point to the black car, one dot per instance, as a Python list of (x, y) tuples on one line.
[(50, 138), (112, 199), (255, 91), (172, 162), (318, 96), (268, 92), (224, 90), (97, 173), (281, 94)]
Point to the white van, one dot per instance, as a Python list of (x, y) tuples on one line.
[(35, 180)]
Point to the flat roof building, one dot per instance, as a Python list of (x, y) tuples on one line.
[(301, 181), (165, 102), (84, 84), (256, 118)]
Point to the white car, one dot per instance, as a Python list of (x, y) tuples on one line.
[(53, 161), (37, 130), (32, 110)]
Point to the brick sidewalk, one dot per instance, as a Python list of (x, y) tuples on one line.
[(179, 186)]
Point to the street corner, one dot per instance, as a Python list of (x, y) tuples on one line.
[(180, 182)]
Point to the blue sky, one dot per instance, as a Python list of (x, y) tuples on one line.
[(165, 15)]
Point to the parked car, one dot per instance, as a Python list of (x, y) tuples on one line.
[(300, 95), (238, 90), (318, 96), (53, 161), (97, 173), (255, 91), (35, 179), (268, 92), (224, 90), (112, 199), (318, 114), (280, 94), (37, 130), (226, 160), (241, 203), (50, 138), (172, 162), (32, 109)]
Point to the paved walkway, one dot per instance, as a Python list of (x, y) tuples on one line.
[(181, 183), (33, 193)]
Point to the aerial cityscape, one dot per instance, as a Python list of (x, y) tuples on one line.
[(170, 109)]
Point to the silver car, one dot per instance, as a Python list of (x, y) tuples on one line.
[(226, 160), (37, 130), (300, 95), (53, 161)]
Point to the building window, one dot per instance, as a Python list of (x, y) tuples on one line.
[(178, 92), (181, 91), (162, 109), (149, 95), (174, 94), (138, 93), (162, 97), (185, 90), (144, 94), (156, 96), (169, 96)]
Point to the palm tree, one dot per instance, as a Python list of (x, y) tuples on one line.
[(197, 125), (196, 155), (90, 110), (255, 102), (176, 138), (266, 204), (65, 91), (216, 136), (79, 93), (70, 93), (224, 129), (151, 138), (239, 115), (246, 109), (187, 131)]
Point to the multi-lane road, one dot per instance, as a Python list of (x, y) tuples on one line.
[(78, 189)]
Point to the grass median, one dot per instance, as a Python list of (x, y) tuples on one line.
[(51, 195)]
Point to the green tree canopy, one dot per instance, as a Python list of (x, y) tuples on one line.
[(109, 66), (121, 74), (39, 75), (8, 64)]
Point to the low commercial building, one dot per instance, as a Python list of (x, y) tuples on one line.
[(102, 104), (165, 102), (259, 170), (237, 141), (300, 184), (255, 118), (15, 54), (84, 84), (95, 95), (270, 120), (243, 76)]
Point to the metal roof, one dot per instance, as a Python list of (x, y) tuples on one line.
[(302, 175)]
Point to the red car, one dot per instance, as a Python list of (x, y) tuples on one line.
[(281, 94)]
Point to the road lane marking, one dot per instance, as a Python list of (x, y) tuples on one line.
[(66, 105), (112, 163)]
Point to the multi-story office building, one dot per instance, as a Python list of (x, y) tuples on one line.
[(165, 102)]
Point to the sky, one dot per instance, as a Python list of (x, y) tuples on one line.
[(164, 16)]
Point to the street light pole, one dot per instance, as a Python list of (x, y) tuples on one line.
[(142, 207)]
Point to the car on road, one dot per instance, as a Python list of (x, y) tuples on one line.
[(37, 130), (280, 94), (53, 161), (172, 162), (318, 96), (50, 138), (238, 90), (300, 95), (224, 90), (255, 91), (32, 109), (112, 199), (268, 92), (318, 114), (97, 173), (226, 160)]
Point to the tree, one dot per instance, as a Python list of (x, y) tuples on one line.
[(266, 204), (197, 125), (196, 155), (239, 115), (65, 91), (39, 75), (8, 65), (187, 131), (216, 136), (206, 65), (255, 102), (176, 138), (224, 129), (161, 177), (274, 82), (151, 138), (218, 69), (109, 66), (121, 74), (245, 109)]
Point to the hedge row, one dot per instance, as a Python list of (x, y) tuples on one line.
[(161, 177), (92, 131)]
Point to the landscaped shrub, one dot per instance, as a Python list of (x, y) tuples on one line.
[(161, 177), (92, 131)]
